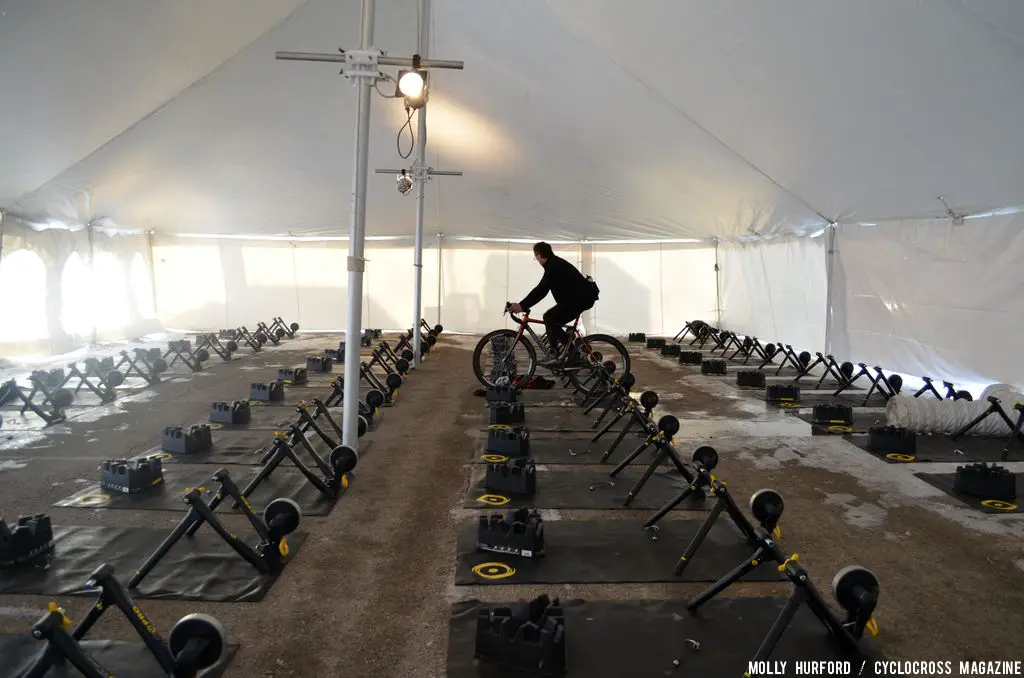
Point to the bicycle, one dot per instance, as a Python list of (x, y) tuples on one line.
[(588, 351)]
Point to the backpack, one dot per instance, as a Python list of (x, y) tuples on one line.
[(594, 288)]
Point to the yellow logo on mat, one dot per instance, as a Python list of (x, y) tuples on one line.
[(1000, 505), (493, 571)]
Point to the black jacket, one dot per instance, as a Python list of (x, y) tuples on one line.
[(565, 283)]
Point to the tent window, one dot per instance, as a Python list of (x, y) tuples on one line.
[(23, 279), (76, 297), (142, 287), (110, 293)]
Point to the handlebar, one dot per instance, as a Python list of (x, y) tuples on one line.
[(517, 318)]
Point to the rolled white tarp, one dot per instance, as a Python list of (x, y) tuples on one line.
[(927, 414)]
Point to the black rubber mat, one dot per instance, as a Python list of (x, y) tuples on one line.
[(943, 449), (863, 420), (572, 450), (642, 638), (561, 419), (241, 447), (540, 397), (944, 482), (572, 490), (118, 658), (283, 482), (609, 552), (262, 416), (851, 398), (203, 567)]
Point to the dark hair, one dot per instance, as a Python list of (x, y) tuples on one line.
[(543, 249)]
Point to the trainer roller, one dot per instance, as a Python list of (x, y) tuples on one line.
[(196, 642)]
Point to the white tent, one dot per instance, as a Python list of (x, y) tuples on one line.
[(652, 138)]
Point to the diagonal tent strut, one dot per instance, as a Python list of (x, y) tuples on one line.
[(362, 68)]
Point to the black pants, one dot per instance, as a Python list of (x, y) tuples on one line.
[(559, 315)]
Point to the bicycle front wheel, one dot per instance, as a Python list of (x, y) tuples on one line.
[(495, 357), (599, 349)]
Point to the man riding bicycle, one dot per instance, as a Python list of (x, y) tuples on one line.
[(573, 292)]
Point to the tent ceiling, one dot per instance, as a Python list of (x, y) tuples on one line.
[(573, 118)]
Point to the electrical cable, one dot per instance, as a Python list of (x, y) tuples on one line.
[(412, 136)]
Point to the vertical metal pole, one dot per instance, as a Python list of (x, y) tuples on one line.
[(718, 288), (152, 272), (830, 245), (2, 213), (439, 280), (357, 233), (92, 274), (422, 45)]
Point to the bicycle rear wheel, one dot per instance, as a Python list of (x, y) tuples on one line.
[(598, 349), (494, 357)]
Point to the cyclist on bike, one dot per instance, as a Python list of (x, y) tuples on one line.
[(573, 292)]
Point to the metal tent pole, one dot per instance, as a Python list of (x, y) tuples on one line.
[(422, 45), (420, 174), (830, 248), (356, 237), (362, 67)]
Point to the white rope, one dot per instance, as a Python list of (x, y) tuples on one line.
[(927, 414)]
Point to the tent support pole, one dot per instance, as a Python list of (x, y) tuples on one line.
[(439, 285), (356, 236), (152, 271), (422, 45), (830, 248), (718, 287), (92, 272), (362, 67)]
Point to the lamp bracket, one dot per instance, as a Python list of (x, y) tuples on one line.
[(362, 65)]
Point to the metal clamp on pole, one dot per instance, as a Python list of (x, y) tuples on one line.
[(361, 64)]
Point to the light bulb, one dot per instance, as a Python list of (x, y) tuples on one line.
[(411, 85)]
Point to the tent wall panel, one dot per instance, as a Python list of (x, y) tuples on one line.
[(321, 280), (932, 298), (43, 295), (776, 291), (688, 289), (653, 288), (209, 284)]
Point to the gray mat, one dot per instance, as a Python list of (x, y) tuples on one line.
[(561, 419), (641, 638), (572, 449), (852, 398), (609, 552), (572, 490), (283, 482), (944, 482), (863, 420), (203, 567), (943, 449)]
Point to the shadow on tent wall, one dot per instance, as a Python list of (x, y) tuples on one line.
[(626, 303)]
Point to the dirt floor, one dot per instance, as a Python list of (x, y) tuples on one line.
[(370, 591)]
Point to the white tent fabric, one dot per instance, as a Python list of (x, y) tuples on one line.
[(572, 119), (776, 291), (931, 298), (643, 289)]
